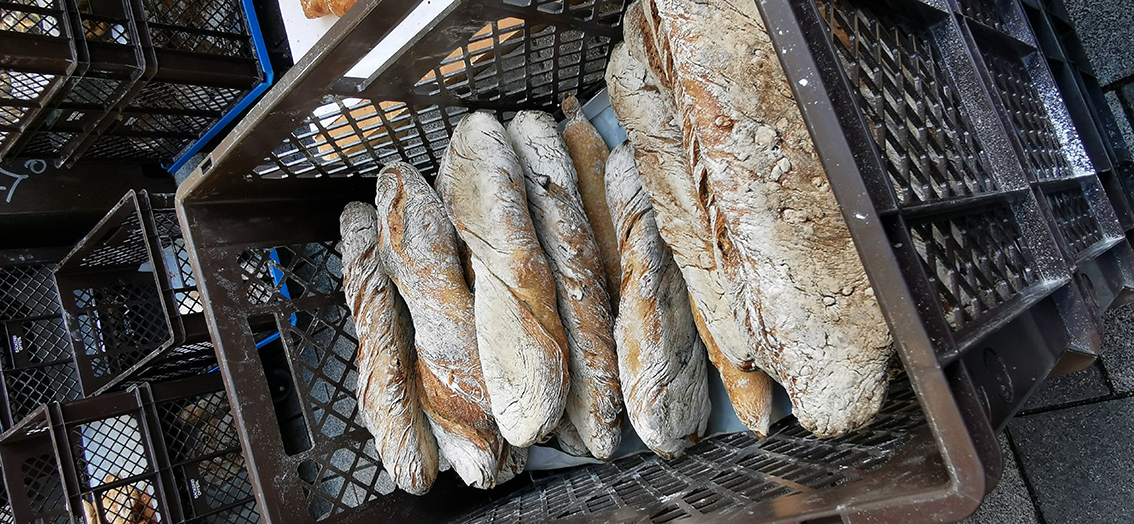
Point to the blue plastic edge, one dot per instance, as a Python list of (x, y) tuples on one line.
[(249, 99)]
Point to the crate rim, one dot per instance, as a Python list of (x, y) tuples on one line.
[(261, 49)]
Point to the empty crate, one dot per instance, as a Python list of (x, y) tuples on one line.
[(130, 301)]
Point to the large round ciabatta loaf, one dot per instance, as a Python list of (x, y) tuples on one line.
[(661, 360), (387, 392), (523, 348), (594, 402), (646, 111), (798, 285), (418, 249), (588, 153)]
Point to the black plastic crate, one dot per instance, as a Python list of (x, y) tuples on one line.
[(36, 365), (989, 253), (37, 54), (111, 61), (130, 301), (168, 452), (206, 62)]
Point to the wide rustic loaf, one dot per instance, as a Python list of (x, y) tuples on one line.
[(387, 390), (661, 360), (797, 284), (418, 249), (588, 153), (523, 347), (646, 111), (594, 401)]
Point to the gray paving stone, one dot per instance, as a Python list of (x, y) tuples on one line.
[(1009, 502), (1082, 385), (1104, 29), (1078, 461), (1118, 347)]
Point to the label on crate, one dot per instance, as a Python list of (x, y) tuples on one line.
[(195, 488), (17, 344)]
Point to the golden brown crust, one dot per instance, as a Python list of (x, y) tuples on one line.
[(315, 8), (588, 154)]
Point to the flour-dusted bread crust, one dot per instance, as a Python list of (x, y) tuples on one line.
[(387, 391), (588, 153), (594, 402), (523, 348), (646, 110), (569, 440), (418, 249), (799, 287), (513, 463), (661, 360)]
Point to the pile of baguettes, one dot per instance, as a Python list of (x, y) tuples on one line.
[(544, 285)]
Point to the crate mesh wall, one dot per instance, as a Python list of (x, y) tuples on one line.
[(914, 112), (36, 365), (509, 61)]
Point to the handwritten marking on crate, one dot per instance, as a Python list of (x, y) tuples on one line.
[(36, 167)]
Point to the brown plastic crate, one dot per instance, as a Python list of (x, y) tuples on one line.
[(990, 265), (174, 442), (130, 300)]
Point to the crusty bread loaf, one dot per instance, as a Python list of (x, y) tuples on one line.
[(588, 153), (418, 249), (513, 462), (569, 440), (779, 232), (594, 402), (523, 348), (661, 360), (387, 390), (646, 111)]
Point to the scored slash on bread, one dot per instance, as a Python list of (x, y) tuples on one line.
[(523, 347), (418, 248), (661, 360), (647, 112), (594, 401), (387, 387), (796, 282)]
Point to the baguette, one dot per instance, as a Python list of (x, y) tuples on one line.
[(523, 348), (594, 401), (387, 391), (588, 154), (515, 459), (661, 360), (646, 111), (569, 440), (418, 249), (779, 232)]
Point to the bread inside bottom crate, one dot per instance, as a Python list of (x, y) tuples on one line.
[(294, 400)]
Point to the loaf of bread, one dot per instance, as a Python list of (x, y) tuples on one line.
[(387, 391), (418, 249), (340, 7), (588, 154), (569, 440), (661, 360), (512, 464), (646, 110), (779, 234), (523, 348), (594, 401), (315, 8)]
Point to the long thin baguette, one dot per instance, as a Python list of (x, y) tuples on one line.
[(418, 249), (387, 389), (589, 153), (646, 111), (594, 401), (661, 360), (523, 348), (779, 232)]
